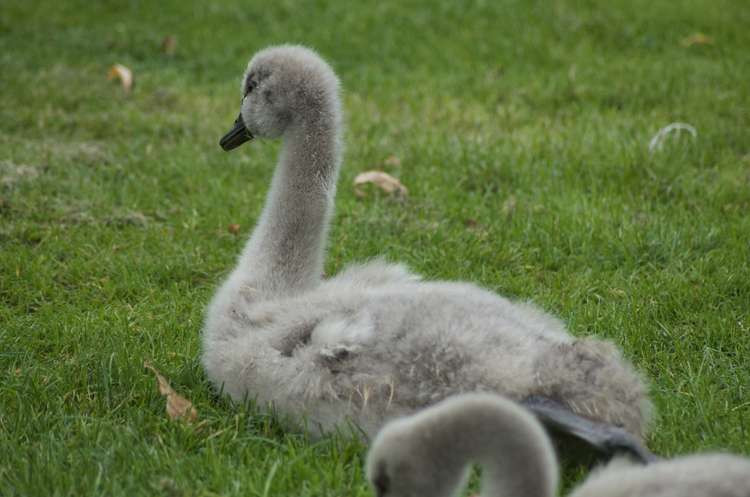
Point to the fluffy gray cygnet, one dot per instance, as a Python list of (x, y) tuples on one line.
[(375, 341), (429, 454)]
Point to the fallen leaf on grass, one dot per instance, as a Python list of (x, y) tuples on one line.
[(233, 228), (392, 160), (696, 39), (178, 407), (169, 45), (382, 180), (125, 75)]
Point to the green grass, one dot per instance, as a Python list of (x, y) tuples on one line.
[(522, 130)]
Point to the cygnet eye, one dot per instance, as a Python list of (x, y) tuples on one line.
[(250, 86)]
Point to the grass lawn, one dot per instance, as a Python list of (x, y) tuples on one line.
[(522, 133)]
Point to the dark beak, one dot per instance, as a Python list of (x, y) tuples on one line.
[(237, 136)]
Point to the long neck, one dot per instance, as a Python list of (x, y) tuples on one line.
[(512, 448), (285, 253)]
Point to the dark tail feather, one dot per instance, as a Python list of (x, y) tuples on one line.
[(605, 438)]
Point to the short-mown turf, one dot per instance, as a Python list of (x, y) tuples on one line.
[(521, 129)]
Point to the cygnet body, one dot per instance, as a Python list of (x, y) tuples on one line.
[(375, 341)]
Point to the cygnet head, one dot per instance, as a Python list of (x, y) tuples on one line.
[(284, 87), (404, 462)]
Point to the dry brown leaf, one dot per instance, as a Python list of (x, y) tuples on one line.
[(392, 160), (233, 228), (382, 180), (125, 75), (169, 45), (178, 407), (696, 39)]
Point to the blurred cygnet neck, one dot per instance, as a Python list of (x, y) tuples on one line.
[(430, 453)]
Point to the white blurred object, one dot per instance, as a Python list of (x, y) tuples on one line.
[(658, 140)]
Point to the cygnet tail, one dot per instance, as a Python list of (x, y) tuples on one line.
[(590, 379), (605, 438)]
